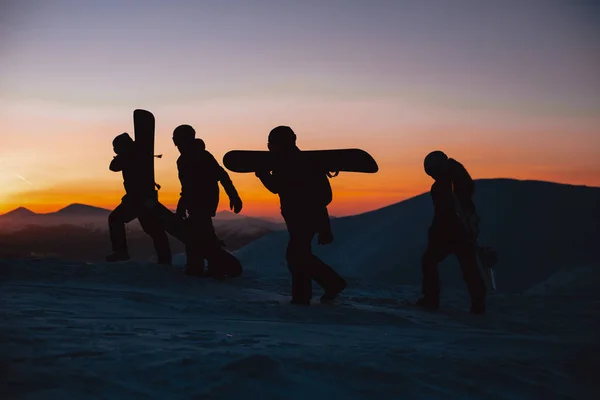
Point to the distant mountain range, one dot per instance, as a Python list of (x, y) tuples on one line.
[(77, 210), (79, 231), (83, 214)]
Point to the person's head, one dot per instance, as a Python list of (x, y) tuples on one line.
[(436, 164), (281, 139), (122, 143), (183, 137)]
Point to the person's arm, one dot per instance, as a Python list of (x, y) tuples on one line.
[(223, 177), (181, 205), (227, 183), (325, 233), (268, 181), (235, 202), (117, 164)]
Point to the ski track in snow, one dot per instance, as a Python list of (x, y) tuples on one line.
[(128, 331)]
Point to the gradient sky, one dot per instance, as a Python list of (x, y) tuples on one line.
[(509, 88)]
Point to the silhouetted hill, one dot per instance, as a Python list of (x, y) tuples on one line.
[(81, 210), (536, 227), (79, 232), (84, 215), (20, 212)]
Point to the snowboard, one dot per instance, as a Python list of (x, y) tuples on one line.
[(143, 131), (336, 160)]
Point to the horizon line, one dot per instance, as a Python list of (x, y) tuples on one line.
[(60, 208)]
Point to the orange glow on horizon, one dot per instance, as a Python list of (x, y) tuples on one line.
[(353, 193), (70, 165)]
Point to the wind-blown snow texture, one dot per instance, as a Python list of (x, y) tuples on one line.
[(122, 331)]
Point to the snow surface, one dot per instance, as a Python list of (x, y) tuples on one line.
[(135, 330), (143, 331)]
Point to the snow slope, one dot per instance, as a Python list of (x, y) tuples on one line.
[(536, 227), (123, 331), (144, 331)]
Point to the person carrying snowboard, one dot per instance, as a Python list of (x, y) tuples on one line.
[(139, 190), (454, 230), (304, 195), (200, 174)]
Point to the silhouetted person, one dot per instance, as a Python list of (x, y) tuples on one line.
[(453, 231), (139, 189), (200, 174), (304, 194)]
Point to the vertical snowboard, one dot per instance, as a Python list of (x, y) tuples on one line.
[(336, 160), (224, 263), (143, 128)]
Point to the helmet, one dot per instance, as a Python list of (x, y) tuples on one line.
[(434, 162), (183, 134), (282, 135), (122, 142)]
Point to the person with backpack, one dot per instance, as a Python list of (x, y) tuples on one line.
[(454, 230), (139, 189), (304, 195), (200, 174)]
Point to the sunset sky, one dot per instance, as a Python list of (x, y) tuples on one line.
[(509, 88)]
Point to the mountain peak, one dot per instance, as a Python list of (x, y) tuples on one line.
[(19, 212)]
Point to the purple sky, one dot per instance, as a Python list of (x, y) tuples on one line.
[(386, 75)]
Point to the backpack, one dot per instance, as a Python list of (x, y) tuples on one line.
[(464, 190)]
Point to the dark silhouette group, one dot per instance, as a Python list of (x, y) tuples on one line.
[(304, 193)]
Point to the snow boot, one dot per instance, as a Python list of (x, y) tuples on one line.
[(330, 294)]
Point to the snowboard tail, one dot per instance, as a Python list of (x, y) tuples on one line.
[(337, 160)]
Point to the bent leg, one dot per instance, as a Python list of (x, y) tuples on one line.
[(327, 278), (434, 254), (467, 258), (193, 248), (154, 228), (117, 219), (209, 248), (299, 260)]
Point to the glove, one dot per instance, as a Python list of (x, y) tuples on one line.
[(235, 204), (181, 209)]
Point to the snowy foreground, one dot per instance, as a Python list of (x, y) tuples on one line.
[(128, 331)]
